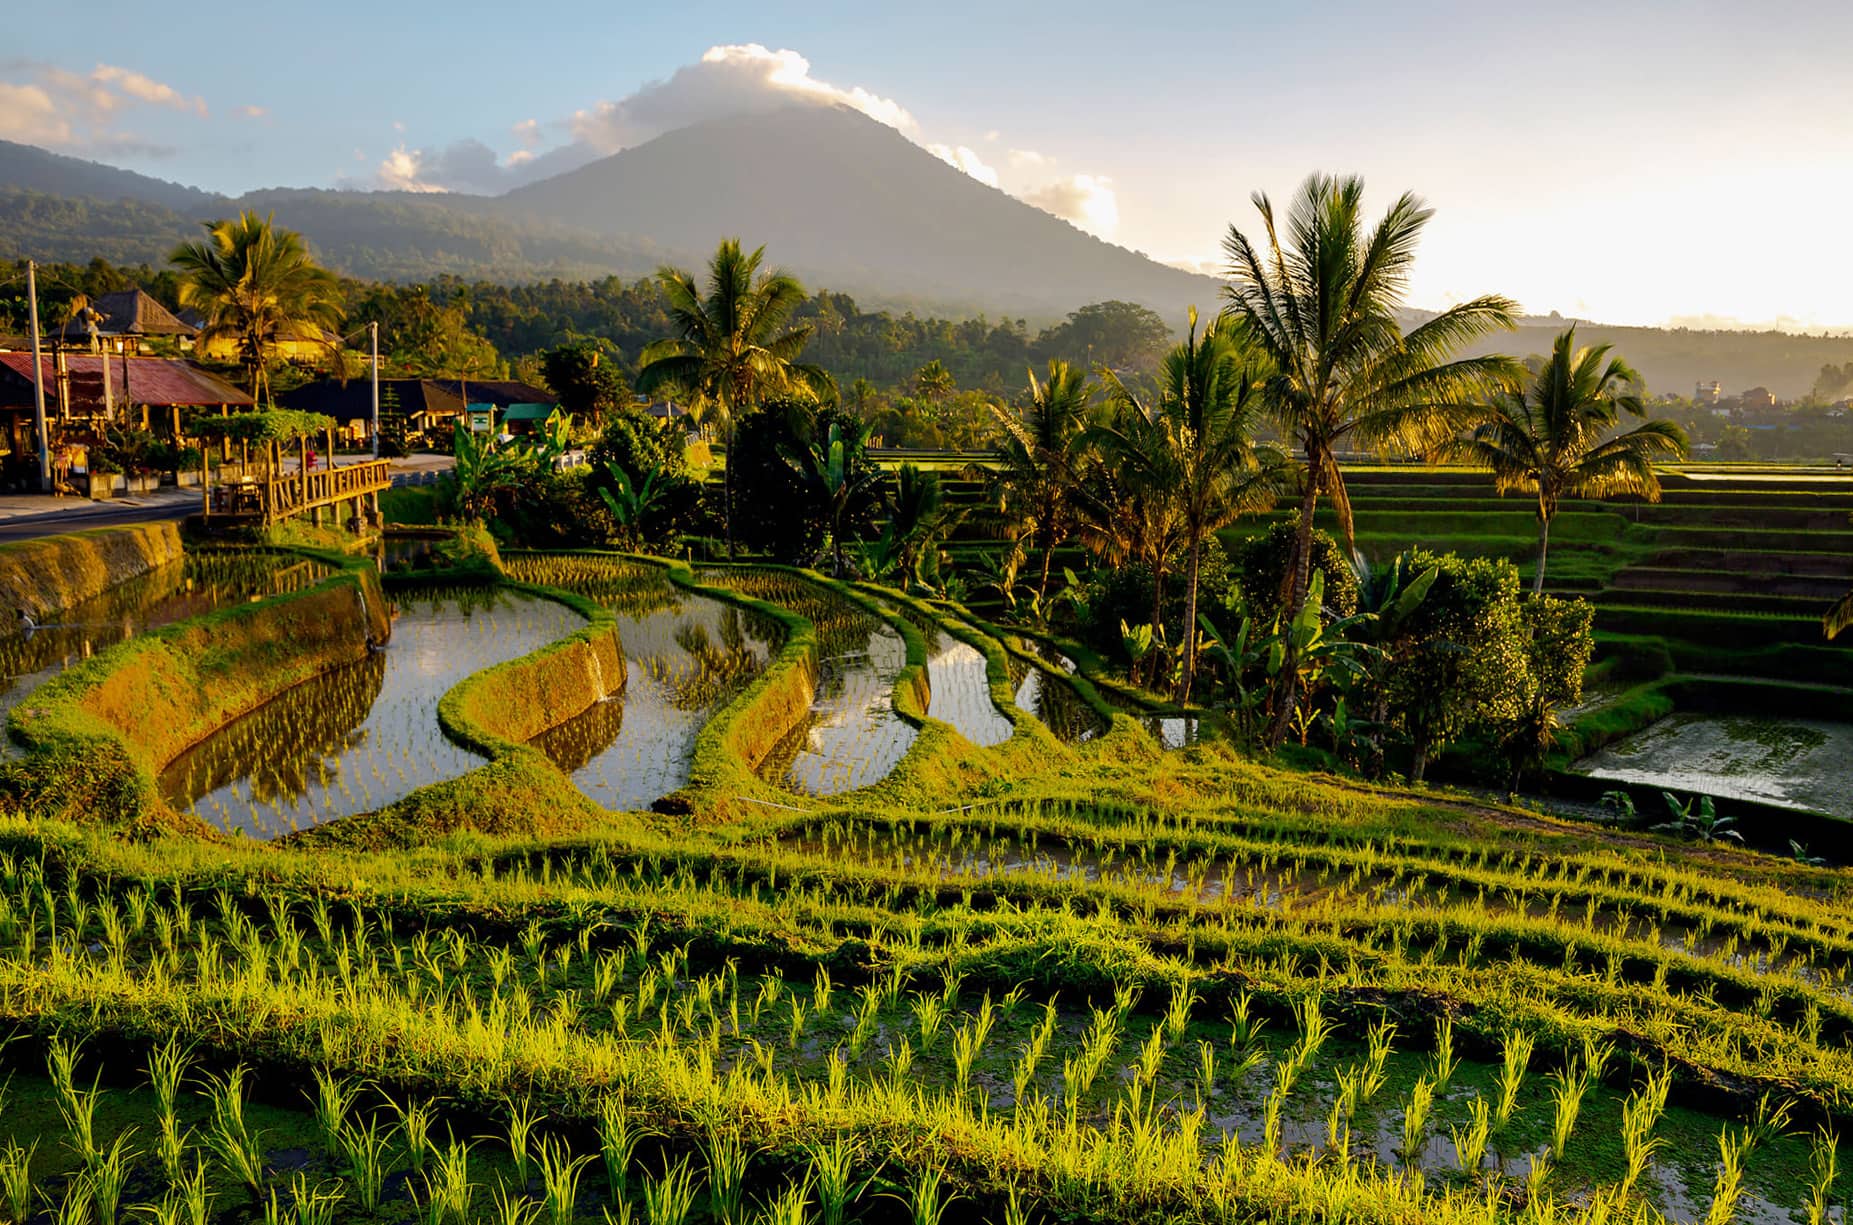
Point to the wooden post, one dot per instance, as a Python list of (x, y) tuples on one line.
[(302, 466), (205, 480)]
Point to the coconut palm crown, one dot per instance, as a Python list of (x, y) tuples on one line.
[(256, 284), (732, 347), (1554, 435)]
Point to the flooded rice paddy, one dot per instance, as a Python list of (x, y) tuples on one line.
[(363, 736), (852, 736), (1793, 763), (200, 583), (686, 656)]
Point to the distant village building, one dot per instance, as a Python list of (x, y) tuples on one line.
[(427, 408), (1757, 397), (1707, 393), (125, 322), (141, 392)]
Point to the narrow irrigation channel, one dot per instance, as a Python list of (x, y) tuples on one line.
[(685, 655), (852, 737), (363, 736), (201, 582)]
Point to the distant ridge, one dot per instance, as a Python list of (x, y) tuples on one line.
[(34, 169)]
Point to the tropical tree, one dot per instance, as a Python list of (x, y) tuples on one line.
[(1197, 442), (732, 347), (254, 284), (933, 382), (1553, 435), (1321, 304), (918, 517), (843, 485), (1038, 457)]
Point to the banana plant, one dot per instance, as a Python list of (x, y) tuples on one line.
[(630, 505)]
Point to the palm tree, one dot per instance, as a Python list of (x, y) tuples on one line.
[(1322, 309), (255, 284), (732, 347), (1197, 441), (1548, 436), (1838, 617), (1038, 456), (933, 382)]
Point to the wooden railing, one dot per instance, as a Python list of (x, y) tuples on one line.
[(289, 495), (279, 497)]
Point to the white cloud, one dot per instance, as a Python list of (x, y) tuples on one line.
[(1026, 158), (965, 159), (1088, 200), (28, 114), (45, 104), (253, 111), (144, 88)]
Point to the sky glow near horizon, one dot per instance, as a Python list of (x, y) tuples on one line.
[(1645, 163)]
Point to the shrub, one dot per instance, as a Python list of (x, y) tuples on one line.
[(1262, 563)]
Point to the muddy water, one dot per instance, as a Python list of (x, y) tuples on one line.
[(366, 735), (198, 584), (686, 656), (1796, 763)]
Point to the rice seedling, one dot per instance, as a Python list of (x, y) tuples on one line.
[(1446, 1061), (618, 1137), (16, 1182), (1415, 1118), (239, 1149), (1823, 1167), (447, 1185), (1568, 1086), (1728, 1186), (364, 1149), (1515, 1059), (520, 1137), (728, 1157), (334, 1097), (1639, 1115), (927, 1198), (511, 1208), (1470, 1141), (560, 1171), (109, 1174), (668, 1200), (414, 1120)]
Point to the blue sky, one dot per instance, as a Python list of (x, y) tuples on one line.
[(1628, 161)]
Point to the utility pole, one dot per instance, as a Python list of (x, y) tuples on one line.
[(38, 378), (373, 342)]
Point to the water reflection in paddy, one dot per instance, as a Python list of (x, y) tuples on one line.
[(358, 738), (686, 656), (199, 583), (852, 736)]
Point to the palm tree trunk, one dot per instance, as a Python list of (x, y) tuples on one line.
[(1544, 548), (727, 489), (1287, 684), (1048, 558), (1418, 765), (1190, 617)]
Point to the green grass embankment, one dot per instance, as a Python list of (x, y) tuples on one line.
[(100, 733), (39, 578)]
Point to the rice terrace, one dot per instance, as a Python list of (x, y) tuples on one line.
[(524, 707)]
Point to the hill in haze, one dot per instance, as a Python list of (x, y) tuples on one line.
[(850, 203), (846, 203)]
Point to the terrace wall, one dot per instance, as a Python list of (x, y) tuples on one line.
[(39, 578), (102, 732)]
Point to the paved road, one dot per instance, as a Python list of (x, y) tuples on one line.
[(30, 516), (56, 522)]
